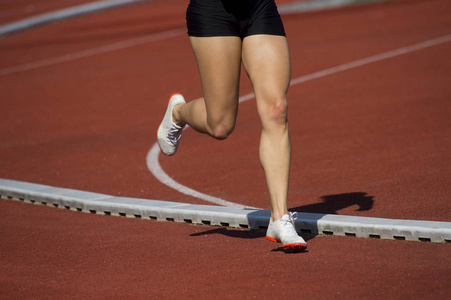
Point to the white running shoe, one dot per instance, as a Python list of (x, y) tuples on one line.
[(169, 133), (283, 231)]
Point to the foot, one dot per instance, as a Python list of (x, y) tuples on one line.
[(283, 231), (169, 133)]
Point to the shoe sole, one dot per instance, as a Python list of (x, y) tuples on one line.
[(293, 246), (162, 121)]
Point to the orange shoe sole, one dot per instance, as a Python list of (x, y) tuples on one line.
[(293, 246)]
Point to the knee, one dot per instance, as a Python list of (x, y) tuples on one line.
[(221, 130), (275, 113)]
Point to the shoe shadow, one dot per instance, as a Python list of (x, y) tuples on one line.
[(233, 233), (281, 249), (247, 234)]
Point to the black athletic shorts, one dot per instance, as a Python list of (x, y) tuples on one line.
[(241, 18)]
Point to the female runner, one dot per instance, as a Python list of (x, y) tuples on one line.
[(224, 33)]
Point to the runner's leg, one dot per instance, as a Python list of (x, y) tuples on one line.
[(219, 63), (267, 62)]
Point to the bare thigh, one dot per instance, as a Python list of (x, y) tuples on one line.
[(219, 63), (266, 59)]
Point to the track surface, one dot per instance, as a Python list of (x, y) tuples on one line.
[(378, 134), (16, 10)]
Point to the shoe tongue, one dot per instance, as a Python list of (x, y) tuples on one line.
[(175, 125), (286, 217)]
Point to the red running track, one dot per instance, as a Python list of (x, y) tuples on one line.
[(17, 10), (378, 134)]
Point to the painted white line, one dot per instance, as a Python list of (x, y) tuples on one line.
[(155, 167), (153, 155), (95, 51), (320, 5), (372, 59), (63, 14)]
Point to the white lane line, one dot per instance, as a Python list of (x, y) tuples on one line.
[(155, 167), (374, 58), (95, 51), (320, 5), (63, 14), (153, 155)]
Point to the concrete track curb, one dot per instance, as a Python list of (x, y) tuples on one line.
[(306, 223)]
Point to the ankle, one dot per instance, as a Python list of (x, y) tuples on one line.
[(278, 215), (176, 118)]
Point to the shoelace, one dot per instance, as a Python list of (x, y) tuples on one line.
[(293, 216), (289, 223), (174, 135)]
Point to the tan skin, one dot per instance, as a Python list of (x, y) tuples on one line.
[(266, 60)]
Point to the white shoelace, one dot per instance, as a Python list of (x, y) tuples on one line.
[(289, 223), (174, 135)]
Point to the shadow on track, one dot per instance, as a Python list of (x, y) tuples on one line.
[(234, 233), (331, 204)]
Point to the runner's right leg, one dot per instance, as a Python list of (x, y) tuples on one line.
[(219, 63)]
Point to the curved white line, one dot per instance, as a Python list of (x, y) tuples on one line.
[(152, 156), (155, 167)]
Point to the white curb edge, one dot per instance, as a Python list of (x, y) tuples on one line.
[(307, 223)]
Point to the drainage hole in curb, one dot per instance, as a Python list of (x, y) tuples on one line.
[(79, 209), (423, 239), (108, 213), (205, 222), (170, 219), (374, 236), (122, 214), (153, 218), (67, 207), (225, 224), (243, 226), (138, 216), (189, 221), (350, 234), (92, 211), (55, 204), (399, 237), (326, 232)]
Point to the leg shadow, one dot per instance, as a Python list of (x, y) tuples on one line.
[(331, 204)]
